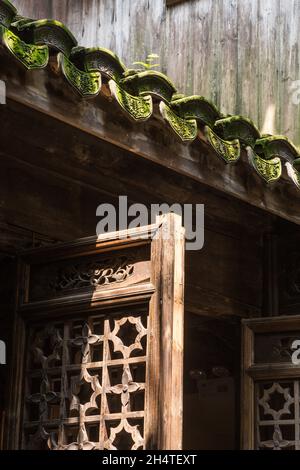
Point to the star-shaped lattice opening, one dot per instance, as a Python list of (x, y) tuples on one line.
[(134, 341), (86, 392), (269, 397), (124, 437)]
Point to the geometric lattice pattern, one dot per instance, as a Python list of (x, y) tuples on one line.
[(278, 418), (86, 384)]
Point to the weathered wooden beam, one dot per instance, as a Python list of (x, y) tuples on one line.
[(85, 165), (47, 93)]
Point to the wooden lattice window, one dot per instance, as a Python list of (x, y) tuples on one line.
[(99, 337), (86, 383), (278, 419), (271, 399)]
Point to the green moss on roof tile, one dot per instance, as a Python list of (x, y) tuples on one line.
[(30, 55), (51, 33), (7, 13), (196, 107), (100, 59), (150, 83), (269, 169), (277, 145), (30, 42), (233, 127)]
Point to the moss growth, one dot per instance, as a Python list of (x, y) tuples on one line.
[(238, 127), (30, 55), (185, 129)]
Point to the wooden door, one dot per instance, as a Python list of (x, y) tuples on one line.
[(98, 343), (270, 383)]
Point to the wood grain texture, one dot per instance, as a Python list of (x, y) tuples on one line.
[(48, 94), (164, 328), (252, 372), (244, 54)]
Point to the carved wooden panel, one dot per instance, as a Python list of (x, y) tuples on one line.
[(278, 419), (274, 347), (87, 274), (91, 319), (86, 383)]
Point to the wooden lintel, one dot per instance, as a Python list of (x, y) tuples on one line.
[(49, 94)]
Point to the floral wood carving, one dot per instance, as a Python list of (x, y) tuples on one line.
[(43, 398), (94, 274), (85, 341), (282, 349), (126, 388), (277, 443)]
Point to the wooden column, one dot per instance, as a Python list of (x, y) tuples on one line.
[(167, 332)]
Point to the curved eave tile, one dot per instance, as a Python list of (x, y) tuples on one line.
[(48, 32), (229, 151), (7, 13), (87, 84), (269, 170), (138, 108), (29, 41), (279, 146), (185, 129), (100, 59), (237, 127), (30, 56), (150, 83), (196, 107)]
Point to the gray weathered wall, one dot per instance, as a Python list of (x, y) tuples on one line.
[(243, 54)]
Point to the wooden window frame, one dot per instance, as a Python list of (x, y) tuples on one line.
[(253, 372), (163, 292)]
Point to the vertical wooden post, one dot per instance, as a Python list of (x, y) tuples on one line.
[(165, 363), (247, 392), (14, 415)]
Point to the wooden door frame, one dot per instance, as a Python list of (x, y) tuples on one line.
[(251, 372), (165, 294)]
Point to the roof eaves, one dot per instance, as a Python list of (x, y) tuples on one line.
[(32, 42)]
